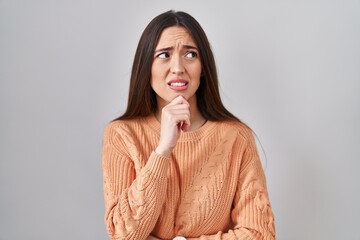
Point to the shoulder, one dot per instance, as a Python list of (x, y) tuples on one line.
[(241, 129), (134, 128), (120, 125), (116, 127), (120, 128), (122, 135)]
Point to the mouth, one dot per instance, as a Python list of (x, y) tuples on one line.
[(178, 84)]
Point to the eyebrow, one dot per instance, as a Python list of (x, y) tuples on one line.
[(171, 48)]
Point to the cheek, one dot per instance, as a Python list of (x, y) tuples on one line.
[(154, 76), (157, 72), (157, 81), (153, 73), (196, 70)]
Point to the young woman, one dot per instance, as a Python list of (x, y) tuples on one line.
[(177, 163)]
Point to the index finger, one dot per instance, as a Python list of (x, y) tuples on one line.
[(179, 100)]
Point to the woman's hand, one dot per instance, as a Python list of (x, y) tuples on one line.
[(174, 117)]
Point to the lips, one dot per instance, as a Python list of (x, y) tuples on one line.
[(178, 84)]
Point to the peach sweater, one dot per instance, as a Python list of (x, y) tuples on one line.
[(212, 187)]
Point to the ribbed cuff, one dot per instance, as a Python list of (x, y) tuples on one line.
[(158, 164)]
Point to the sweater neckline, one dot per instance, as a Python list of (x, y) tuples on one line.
[(206, 129)]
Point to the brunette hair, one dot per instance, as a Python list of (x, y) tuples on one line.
[(142, 98)]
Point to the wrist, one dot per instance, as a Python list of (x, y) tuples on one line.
[(163, 151)]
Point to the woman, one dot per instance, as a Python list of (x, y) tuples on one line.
[(177, 163)]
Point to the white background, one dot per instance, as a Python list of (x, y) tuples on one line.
[(290, 69)]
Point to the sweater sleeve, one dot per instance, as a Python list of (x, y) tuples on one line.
[(133, 201), (251, 215)]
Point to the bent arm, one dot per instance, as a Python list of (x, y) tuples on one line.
[(133, 201), (252, 216)]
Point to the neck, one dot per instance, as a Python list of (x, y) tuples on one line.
[(196, 119)]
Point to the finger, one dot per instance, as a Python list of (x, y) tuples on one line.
[(179, 100), (185, 126), (183, 122), (176, 108), (171, 112)]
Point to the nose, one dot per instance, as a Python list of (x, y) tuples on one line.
[(177, 66)]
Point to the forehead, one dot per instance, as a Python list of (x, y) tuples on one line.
[(175, 35)]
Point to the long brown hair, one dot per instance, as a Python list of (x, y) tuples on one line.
[(142, 98)]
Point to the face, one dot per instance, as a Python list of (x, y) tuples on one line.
[(176, 67)]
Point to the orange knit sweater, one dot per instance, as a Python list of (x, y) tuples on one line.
[(212, 187)]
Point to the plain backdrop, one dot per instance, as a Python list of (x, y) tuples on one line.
[(290, 69)]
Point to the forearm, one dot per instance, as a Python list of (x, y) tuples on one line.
[(252, 215), (236, 234), (133, 205)]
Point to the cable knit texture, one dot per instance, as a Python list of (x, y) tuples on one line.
[(212, 187)]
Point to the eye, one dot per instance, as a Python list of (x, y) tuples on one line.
[(191, 54), (163, 55)]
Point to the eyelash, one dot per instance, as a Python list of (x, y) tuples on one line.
[(192, 52), (162, 53), (195, 54)]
